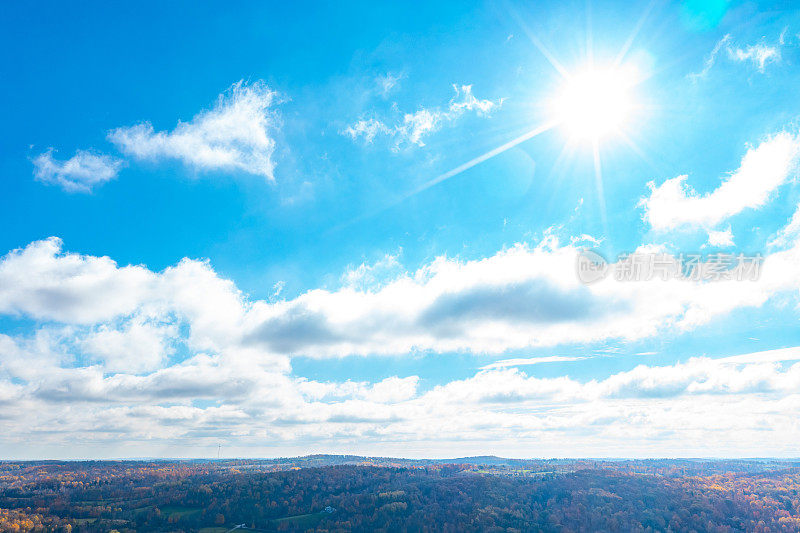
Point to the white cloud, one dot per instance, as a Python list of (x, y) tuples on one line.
[(521, 297), (138, 346), (465, 101), (518, 298), (720, 239), (414, 127), (366, 128), (759, 54), (768, 356), (43, 283), (505, 363), (789, 233), (124, 350), (745, 374), (389, 390), (40, 282), (647, 407), (711, 58), (235, 135), (702, 404), (366, 276), (711, 405), (80, 173), (674, 204), (387, 82), (417, 125)]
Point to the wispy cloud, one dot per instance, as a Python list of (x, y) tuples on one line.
[(769, 356), (367, 129), (388, 82), (708, 64), (236, 134), (759, 55), (789, 233), (720, 238), (80, 173), (505, 363), (412, 128)]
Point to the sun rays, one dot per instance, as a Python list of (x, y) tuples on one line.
[(593, 105)]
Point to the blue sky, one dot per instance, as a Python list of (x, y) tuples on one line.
[(251, 226)]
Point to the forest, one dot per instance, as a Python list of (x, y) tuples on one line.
[(349, 493)]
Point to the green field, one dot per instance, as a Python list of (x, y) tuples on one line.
[(303, 520), (179, 511), (105, 521)]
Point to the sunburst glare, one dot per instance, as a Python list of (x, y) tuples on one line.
[(595, 102)]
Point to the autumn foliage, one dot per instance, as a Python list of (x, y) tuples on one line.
[(326, 493)]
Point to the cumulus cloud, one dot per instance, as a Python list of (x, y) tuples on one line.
[(518, 298), (235, 135), (389, 390), (412, 128), (521, 297), (139, 345), (369, 275), (665, 407), (80, 173), (182, 353), (674, 204), (201, 377), (40, 282), (131, 350), (656, 407), (749, 373)]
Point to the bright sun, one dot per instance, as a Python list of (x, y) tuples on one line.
[(594, 102), (591, 105)]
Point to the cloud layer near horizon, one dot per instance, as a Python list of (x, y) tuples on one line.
[(126, 350)]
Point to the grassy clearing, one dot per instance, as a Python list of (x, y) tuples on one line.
[(179, 511), (303, 520)]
